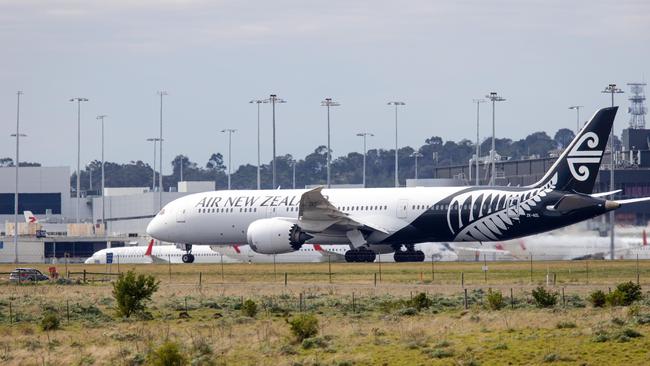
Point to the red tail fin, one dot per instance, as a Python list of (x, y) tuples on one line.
[(149, 248)]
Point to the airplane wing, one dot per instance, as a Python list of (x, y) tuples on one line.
[(317, 214)]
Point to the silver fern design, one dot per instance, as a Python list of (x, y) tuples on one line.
[(485, 215)]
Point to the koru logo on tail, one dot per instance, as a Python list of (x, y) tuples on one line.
[(581, 157)]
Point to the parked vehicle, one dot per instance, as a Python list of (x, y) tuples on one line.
[(27, 274)]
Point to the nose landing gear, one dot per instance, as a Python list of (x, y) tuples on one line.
[(188, 257)]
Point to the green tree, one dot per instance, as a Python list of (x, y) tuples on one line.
[(131, 292)]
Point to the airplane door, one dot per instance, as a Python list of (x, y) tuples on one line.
[(180, 216), (402, 206), (513, 207)]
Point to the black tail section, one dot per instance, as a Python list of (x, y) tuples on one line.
[(576, 169)]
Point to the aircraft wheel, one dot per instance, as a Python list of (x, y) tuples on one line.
[(370, 256), (191, 258), (419, 256), (398, 256), (187, 259), (350, 256)]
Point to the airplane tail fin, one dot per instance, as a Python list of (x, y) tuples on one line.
[(576, 169), (29, 217), (149, 248)]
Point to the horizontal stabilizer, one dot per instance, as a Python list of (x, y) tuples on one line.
[(605, 194), (632, 200)]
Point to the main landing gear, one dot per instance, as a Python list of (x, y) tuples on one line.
[(360, 255), (188, 257), (408, 255)]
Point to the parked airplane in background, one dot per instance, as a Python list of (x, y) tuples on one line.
[(154, 254), (559, 246), (383, 220)]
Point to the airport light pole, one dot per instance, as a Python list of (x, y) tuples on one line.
[(577, 108), (494, 98), (17, 164), (365, 152), (611, 89), (478, 152), (229, 131), (416, 155), (153, 167), (396, 104), (328, 102), (78, 100), (273, 99), (258, 102), (293, 165), (161, 93), (101, 118)]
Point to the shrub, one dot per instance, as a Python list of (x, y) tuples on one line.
[(249, 308), (408, 311), (168, 354), (631, 292), (50, 321), (597, 299), (495, 300), (543, 298), (316, 342), (303, 326), (441, 353), (615, 298), (131, 292), (420, 301)]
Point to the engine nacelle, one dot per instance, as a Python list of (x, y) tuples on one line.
[(275, 236)]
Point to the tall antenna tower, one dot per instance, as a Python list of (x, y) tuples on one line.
[(637, 108)]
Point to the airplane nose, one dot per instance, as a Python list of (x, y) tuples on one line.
[(154, 228)]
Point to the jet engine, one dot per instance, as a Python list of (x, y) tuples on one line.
[(275, 236)]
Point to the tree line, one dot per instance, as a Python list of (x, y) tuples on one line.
[(311, 170)]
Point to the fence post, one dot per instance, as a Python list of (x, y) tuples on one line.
[(222, 268), (84, 276), (563, 299), (67, 309), (200, 279), (11, 314), (433, 270), (512, 299), (329, 266), (169, 266), (421, 276), (375, 279), (285, 279), (275, 272), (379, 270), (531, 268), (637, 269), (353, 304), (554, 278), (462, 279), (465, 299), (300, 302), (587, 264), (485, 268)]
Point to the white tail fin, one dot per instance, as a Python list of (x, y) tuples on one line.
[(30, 218)]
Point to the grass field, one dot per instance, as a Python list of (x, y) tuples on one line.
[(360, 323)]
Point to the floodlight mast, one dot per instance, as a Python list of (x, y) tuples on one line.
[(258, 102), (328, 102), (161, 93), (274, 99), (78, 100), (611, 89), (494, 97), (18, 135), (416, 155), (478, 152), (229, 131), (365, 152), (577, 108), (153, 167), (101, 118), (396, 104)]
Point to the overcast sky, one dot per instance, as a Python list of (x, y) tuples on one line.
[(214, 56)]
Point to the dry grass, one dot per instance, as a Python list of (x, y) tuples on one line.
[(374, 331)]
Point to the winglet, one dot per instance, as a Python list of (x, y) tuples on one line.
[(149, 249)]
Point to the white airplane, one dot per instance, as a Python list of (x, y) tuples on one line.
[(554, 246), (154, 254), (382, 220)]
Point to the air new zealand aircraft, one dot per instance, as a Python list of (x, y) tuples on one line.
[(384, 220)]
